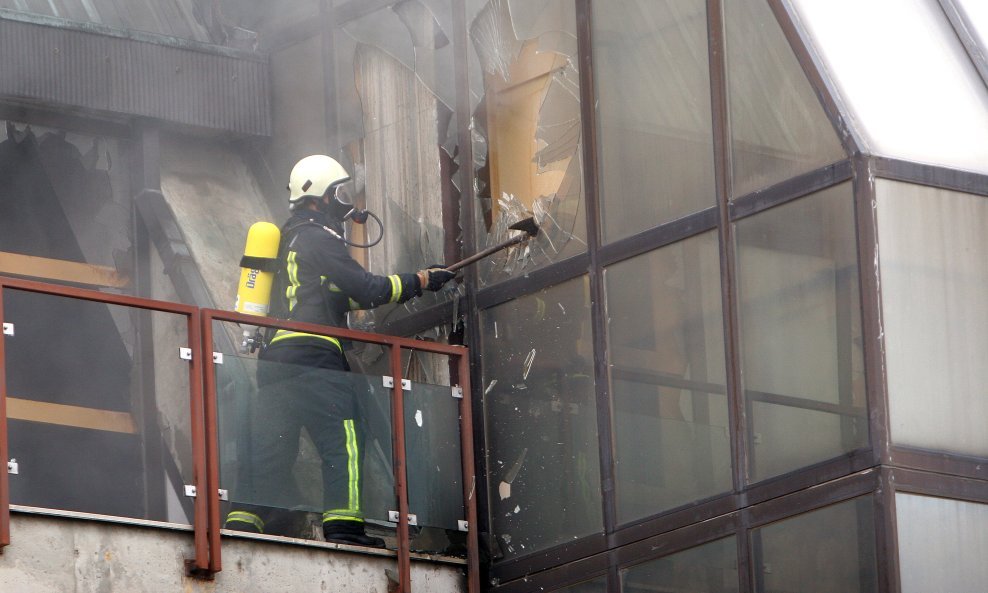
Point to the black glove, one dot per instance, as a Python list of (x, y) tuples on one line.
[(434, 277)]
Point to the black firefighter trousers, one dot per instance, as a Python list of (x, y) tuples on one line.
[(302, 386)]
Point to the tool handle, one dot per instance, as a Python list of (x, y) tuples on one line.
[(490, 250)]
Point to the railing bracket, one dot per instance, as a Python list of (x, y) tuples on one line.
[(190, 490), (457, 392), (12, 467), (8, 329), (463, 525), (389, 382), (217, 358), (393, 516), (185, 353), (224, 494)]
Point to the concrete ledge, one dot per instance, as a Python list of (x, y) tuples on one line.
[(62, 555)]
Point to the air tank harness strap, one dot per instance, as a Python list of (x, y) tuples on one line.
[(264, 264)]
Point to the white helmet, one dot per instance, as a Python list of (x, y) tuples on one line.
[(312, 177)]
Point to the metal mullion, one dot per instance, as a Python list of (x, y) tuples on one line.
[(722, 167), (666, 234), (791, 189), (813, 69), (400, 474), (578, 571), (469, 481), (551, 558), (211, 417), (746, 581), (813, 498), (808, 477), (666, 544), (964, 29), (930, 175), (200, 519), (927, 483), (872, 324), (598, 319), (939, 462), (674, 519), (468, 221), (533, 282), (4, 453), (886, 534)]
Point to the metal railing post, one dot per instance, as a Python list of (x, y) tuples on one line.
[(211, 417), (4, 479), (401, 485)]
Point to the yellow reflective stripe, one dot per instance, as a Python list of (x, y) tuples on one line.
[(245, 517), (353, 465), (292, 269), (395, 288), (284, 334), (342, 515)]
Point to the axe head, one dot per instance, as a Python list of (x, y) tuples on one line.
[(526, 224)]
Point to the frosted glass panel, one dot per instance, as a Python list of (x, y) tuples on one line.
[(977, 14), (778, 127), (933, 245), (653, 102), (942, 544), (911, 90)]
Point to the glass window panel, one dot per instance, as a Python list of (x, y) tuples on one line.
[(977, 13), (279, 462), (933, 244), (667, 377), (99, 420), (710, 568), (527, 132), (926, 103), (434, 468), (538, 393), (778, 127), (653, 102), (942, 544), (831, 550), (801, 332)]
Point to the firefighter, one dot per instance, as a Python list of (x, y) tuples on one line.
[(318, 282)]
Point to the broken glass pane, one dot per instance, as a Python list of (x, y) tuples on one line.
[(394, 121), (541, 418), (654, 118), (527, 133)]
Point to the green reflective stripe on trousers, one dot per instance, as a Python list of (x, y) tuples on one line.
[(353, 466), (245, 517), (284, 334), (395, 288), (342, 515), (292, 269)]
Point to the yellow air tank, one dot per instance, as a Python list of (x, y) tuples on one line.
[(257, 269)]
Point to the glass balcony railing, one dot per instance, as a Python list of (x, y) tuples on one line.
[(113, 407)]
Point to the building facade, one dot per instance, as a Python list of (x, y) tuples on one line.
[(741, 355)]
